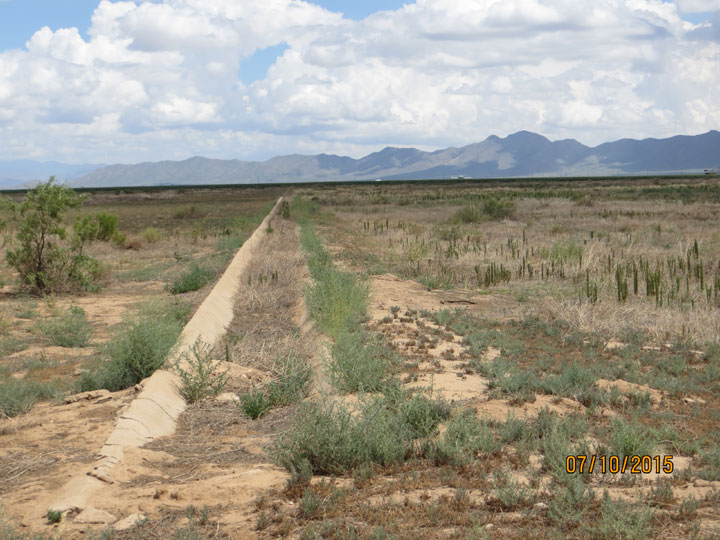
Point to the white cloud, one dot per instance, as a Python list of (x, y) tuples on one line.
[(698, 6), (159, 80)]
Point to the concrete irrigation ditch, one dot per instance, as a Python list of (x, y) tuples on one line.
[(155, 411)]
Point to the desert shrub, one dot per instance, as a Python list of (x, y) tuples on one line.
[(42, 256), (555, 439), (709, 460), (464, 437), (85, 230), (498, 208), (337, 301), (508, 379), (471, 213), (138, 349), (571, 502), (332, 440), (630, 438), (102, 226), (188, 212), (423, 415), (151, 235), (575, 381), (479, 340), (202, 378), (196, 277), (118, 239), (70, 329), (107, 226), (514, 429), (17, 396), (255, 403), (53, 516), (492, 208), (200, 231), (563, 252), (231, 242), (358, 362), (292, 376), (620, 520), (510, 493)]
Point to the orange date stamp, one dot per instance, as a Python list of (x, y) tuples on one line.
[(619, 464)]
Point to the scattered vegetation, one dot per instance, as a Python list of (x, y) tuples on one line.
[(17, 396), (151, 235), (193, 279), (289, 385), (139, 348), (359, 362), (53, 516), (200, 373), (69, 329)]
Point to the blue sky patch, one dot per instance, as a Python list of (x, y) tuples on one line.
[(256, 67), (20, 19)]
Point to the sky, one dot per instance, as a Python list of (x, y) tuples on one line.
[(100, 81)]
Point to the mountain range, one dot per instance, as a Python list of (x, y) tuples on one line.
[(521, 154)]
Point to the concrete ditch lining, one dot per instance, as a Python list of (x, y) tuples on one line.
[(154, 412)]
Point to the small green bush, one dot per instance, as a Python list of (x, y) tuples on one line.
[(151, 235), (509, 492), (255, 403), (202, 378), (577, 382), (498, 208), (118, 239), (70, 329), (492, 208), (464, 437), (53, 516), (107, 226), (571, 502), (556, 441), (17, 396), (292, 376), (620, 520), (631, 439), (192, 280), (358, 362), (333, 440), (138, 349), (710, 462), (423, 415)]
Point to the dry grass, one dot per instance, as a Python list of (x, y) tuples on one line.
[(553, 251), (269, 309)]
